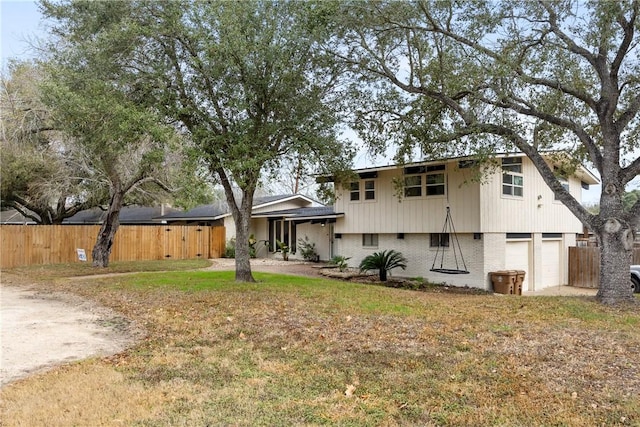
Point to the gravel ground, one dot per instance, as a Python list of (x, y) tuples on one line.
[(41, 330)]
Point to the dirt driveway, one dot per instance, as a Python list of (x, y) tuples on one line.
[(40, 330)]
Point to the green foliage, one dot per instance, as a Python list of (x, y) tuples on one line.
[(630, 199), (284, 248), (384, 262), (248, 81), (437, 79), (252, 246), (230, 248), (307, 249), (340, 262), (38, 175)]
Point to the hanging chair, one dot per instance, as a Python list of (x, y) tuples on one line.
[(450, 229)]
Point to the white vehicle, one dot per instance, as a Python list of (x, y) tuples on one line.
[(635, 278)]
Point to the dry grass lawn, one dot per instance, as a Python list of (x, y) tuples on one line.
[(305, 351)]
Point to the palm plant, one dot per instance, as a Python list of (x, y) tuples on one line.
[(384, 262), (340, 262)]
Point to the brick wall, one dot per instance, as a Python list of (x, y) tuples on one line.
[(420, 257)]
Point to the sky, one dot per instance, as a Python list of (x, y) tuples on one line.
[(21, 25)]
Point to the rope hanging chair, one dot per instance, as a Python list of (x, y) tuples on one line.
[(450, 229)]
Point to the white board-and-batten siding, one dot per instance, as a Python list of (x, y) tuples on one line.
[(389, 213), (475, 207), (536, 211)]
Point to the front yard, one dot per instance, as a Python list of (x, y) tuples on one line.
[(308, 351)]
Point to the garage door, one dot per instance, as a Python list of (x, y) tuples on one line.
[(551, 262), (517, 258)]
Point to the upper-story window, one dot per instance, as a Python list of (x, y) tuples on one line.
[(413, 186), (433, 177), (354, 187), (512, 178), (369, 190), (435, 180)]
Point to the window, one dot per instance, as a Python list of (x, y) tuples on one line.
[(512, 185), (512, 164), (370, 240), (355, 191), (518, 235), (369, 190), (434, 179), (413, 186), (435, 184), (552, 235), (439, 240), (512, 179)]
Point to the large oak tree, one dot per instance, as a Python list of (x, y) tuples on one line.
[(244, 80), (37, 178), (456, 77)]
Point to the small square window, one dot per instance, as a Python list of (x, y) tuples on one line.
[(439, 240), (370, 240)]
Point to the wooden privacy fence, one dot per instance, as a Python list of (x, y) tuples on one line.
[(52, 244), (584, 266)]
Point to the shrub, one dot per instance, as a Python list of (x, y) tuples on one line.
[(340, 262), (307, 249), (384, 262), (230, 249), (284, 248)]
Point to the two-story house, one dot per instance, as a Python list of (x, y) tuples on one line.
[(508, 221)]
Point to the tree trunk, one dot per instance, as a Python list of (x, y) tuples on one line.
[(616, 243), (383, 275), (104, 242), (242, 220), (243, 254)]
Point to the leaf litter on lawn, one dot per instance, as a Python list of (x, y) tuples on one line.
[(290, 349)]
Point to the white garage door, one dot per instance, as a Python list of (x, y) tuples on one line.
[(551, 262), (517, 258)]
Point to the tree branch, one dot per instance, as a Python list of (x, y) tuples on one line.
[(568, 41), (628, 115), (628, 27), (630, 172)]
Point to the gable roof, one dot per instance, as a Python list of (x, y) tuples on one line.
[(220, 210), (128, 215)]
